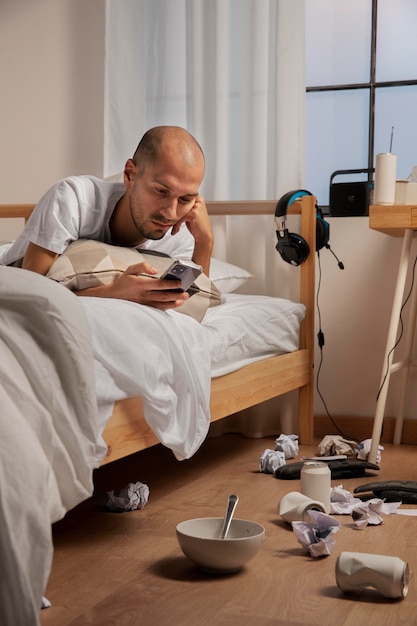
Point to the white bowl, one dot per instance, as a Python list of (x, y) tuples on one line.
[(200, 541)]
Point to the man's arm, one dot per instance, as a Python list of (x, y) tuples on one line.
[(138, 284), (131, 285), (38, 259)]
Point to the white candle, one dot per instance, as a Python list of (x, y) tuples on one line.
[(385, 178)]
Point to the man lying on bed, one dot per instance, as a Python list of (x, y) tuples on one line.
[(159, 199)]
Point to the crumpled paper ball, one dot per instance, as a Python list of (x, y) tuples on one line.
[(271, 460), (363, 449), (134, 496), (288, 444), (342, 501), (334, 445), (317, 536), (286, 447), (370, 512)]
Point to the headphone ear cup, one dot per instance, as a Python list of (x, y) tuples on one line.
[(322, 233), (292, 248)]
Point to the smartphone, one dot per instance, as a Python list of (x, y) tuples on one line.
[(183, 270)]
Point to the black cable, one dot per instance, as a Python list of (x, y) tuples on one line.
[(401, 332), (321, 342)]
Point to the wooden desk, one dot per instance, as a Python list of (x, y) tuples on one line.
[(397, 221), (393, 220)]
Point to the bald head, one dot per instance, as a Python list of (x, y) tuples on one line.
[(166, 141)]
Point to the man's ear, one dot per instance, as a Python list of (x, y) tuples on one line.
[(129, 173)]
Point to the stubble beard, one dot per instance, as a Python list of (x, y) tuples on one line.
[(140, 224)]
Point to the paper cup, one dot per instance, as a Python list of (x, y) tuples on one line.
[(294, 507)]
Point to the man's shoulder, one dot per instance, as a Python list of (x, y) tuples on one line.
[(86, 181), (84, 190)]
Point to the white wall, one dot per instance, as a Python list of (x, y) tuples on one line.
[(52, 88), (356, 306)]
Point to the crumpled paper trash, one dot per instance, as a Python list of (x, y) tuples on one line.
[(364, 447), (286, 447), (369, 513), (288, 444), (335, 445), (342, 502), (271, 460), (134, 496), (317, 536)]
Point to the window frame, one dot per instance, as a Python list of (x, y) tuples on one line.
[(372, 86)]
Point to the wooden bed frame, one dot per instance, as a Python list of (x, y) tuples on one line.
[(127, 431)]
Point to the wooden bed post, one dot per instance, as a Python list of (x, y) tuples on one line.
[(307, 297), (306, 208)]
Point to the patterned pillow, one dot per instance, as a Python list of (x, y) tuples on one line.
[(87, 263)]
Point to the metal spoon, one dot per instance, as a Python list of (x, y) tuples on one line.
[(231, 505)]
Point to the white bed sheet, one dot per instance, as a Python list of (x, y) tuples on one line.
[(248, 328)]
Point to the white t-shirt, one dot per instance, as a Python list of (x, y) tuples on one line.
[(80, 207)]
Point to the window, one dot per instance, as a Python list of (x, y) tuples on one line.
[(361, 81)]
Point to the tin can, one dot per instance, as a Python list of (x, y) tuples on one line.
[(387, 574), (316, 482), (294, 507)]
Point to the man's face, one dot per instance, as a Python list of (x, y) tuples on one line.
[(162, 194)]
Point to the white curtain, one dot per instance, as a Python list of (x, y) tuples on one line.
[(232, 73)]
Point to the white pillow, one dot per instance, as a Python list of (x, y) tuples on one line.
[(226, 276)]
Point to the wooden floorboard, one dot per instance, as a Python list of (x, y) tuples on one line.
[(127, 568)]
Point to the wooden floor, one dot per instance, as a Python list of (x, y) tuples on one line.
[(127, 568)]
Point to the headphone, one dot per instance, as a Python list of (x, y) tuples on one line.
[(293, 248)]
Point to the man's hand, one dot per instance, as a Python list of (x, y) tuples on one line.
[(138, 284), (197, 220), (198, 223)]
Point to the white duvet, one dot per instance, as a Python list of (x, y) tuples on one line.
[(49, 431), (168, 358), (162, 357)]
